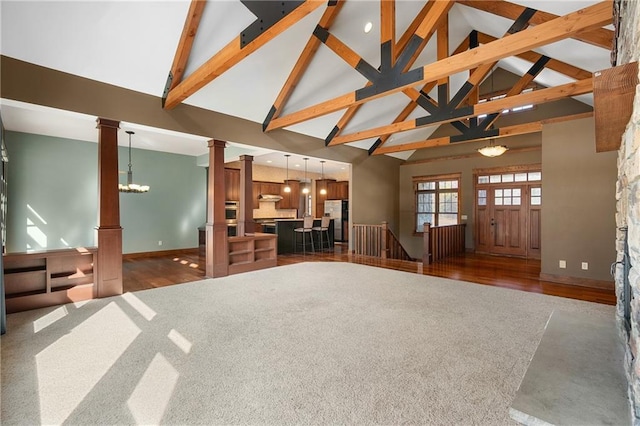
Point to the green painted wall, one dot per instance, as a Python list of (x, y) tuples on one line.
[(52, 195)]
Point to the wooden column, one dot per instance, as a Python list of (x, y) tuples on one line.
[(426, 244), (108, 233), (384, 244), (217, 246), (245, 215)]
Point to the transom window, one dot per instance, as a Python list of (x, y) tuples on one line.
[(437, 200)]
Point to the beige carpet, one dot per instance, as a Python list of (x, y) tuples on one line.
[(313, 343)]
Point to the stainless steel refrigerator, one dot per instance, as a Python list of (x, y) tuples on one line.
[(339, 211)]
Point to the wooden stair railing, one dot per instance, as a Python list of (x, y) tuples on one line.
[(442, 241), (378, 241), (394, 247)]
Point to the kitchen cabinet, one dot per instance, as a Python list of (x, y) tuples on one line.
[(342, 190), (290, 200), (272, 188), (232, 184)]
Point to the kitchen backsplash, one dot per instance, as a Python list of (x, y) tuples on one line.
[(268, 210)]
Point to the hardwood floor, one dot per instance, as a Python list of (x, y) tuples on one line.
[(520, 274)]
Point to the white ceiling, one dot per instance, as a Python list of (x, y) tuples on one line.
[(132, 43)]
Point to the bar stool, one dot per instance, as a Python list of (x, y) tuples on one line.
[(325, 221), (307, 229)]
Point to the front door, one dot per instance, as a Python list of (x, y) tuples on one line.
[(508, 216)]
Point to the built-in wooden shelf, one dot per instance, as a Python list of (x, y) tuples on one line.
[(252, 252), (48, 278)]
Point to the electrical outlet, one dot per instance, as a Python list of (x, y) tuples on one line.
[(463, 217), (585, 266), (160, 242), (562, 264)]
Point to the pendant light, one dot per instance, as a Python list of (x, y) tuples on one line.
[(305, 190), (323, 191), (492, 150), (130, 186), (287, 188)]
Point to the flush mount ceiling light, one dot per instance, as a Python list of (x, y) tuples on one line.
[(130, 186), (305, 190), (323, 191), (287, 188), (492, 150), (368, 27)]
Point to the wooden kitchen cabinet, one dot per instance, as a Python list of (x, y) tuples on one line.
[(271, 188), (290, 200), (342, 190), (232, 184)]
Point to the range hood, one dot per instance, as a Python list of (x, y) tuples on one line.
[(270, 197)]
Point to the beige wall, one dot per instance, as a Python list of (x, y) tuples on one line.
[(465, 166), (30, 83), (578, 202)]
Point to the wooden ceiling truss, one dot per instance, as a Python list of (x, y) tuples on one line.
[(477, 54)]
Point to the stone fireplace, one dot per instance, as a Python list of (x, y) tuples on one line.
[(627, 269)]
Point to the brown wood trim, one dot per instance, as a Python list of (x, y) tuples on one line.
[(436, 177), (470, 155), (581, 282), (498, 170), (159, 253)]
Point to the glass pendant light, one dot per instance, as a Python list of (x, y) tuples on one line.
[(492, 150)]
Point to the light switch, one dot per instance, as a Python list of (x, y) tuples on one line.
[(562, 264)]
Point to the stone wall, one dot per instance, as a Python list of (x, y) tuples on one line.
[(628, 201)]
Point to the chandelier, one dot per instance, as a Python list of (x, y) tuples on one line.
[(492, 150), (130, 186)]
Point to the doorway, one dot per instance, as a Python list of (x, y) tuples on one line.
[(508, 207)]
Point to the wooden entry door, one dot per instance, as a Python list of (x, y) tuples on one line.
[(502, 220)]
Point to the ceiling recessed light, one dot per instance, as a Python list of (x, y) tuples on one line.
[(297, 165), (368, 27), (269, 161)]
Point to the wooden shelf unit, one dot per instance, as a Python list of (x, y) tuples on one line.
[(48, 278), (252, 252)]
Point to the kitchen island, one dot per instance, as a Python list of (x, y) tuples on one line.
[(284, 231)]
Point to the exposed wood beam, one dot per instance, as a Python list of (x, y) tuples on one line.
[(518, 129), (553, 64), (549, 32), (442, 52), (233, 53), (517, 88), (309, 51), (600, 37), (183, 50), (414, 95), (424, 21), (531, 98), (388, 27)]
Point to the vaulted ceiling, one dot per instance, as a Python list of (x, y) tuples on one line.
[(308, 66)]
